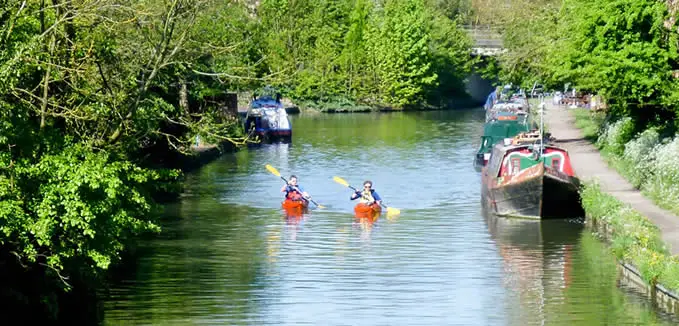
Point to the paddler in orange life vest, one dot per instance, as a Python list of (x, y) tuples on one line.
[(293, 191), (368, 195)]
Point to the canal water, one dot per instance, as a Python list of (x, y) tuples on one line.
[(229, 255)]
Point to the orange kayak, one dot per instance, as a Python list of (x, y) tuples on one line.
[(294, 204), (367, 210)]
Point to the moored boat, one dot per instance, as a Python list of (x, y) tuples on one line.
[(365, 210), (503, 125), (267, 119), (532, 181)]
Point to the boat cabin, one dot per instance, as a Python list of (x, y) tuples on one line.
[(503, 125), (266, 117), (510, 160)]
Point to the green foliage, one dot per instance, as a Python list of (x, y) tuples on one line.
[(623, 50), (616, 135), (450, 51), (76, 203), (354, 51), (94, 94), (647, 160), (618, 48), (400, 46), (90, 94)]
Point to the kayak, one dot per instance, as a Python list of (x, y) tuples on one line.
[(362, 209), (294, 204)]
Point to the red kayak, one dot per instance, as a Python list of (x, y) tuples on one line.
[(364, 210), (294, 204)]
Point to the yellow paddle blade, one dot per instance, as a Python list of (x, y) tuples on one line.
[(273, 170), (393, 211), (341, 181)]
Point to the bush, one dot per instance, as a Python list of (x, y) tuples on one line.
[(647, 161), (662, 183), (616, 135), (640, 152)]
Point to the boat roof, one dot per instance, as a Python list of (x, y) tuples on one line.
[(265, 102), (505, 128), (500, 151), (502, 148)]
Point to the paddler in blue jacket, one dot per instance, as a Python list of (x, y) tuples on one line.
[(293, 191), (368, 195)]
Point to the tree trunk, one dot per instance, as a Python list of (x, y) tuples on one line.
[(183, 96)]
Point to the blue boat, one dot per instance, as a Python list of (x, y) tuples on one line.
[(267, 119)]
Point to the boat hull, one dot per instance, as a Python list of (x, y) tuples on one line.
[(268, 120), (368, 211), (294, 204), (540, 195), (480, 161), (269, 136)]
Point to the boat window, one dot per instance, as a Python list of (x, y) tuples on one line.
[(556, 163), (495, 161), (516, 165)]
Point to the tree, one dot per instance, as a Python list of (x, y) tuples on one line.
[(400, 45), (86, 88), (622, 50)]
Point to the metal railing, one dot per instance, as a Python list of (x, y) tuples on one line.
[(484, 36)]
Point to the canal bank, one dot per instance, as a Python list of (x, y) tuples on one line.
[(621, 209)]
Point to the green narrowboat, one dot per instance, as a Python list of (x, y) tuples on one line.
[(502, 125)]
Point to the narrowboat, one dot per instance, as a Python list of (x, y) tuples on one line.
[(267, 119), (504, 124), (530, 181)]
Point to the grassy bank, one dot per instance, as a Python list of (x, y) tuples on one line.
[(645, 160), (633, 238)]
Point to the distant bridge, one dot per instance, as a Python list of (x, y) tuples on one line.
[(487, 40)]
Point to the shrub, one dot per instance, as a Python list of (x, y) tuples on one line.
[(663, 176), (639, 156), (616, 135)]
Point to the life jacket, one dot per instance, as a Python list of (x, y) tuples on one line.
[(293, 194), (367, 197)]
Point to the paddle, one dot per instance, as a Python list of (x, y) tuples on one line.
[(390, 210), (276, 173)]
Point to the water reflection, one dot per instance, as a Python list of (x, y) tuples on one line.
[(537, 260), (294, 220), (557, 273), (365, 224)]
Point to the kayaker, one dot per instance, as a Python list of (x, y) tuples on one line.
[(293, 191), (368, 195)]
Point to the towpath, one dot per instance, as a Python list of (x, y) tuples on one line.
[(589, 165)]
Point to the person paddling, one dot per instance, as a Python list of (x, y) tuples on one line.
[(293, 191), (368, 195)]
